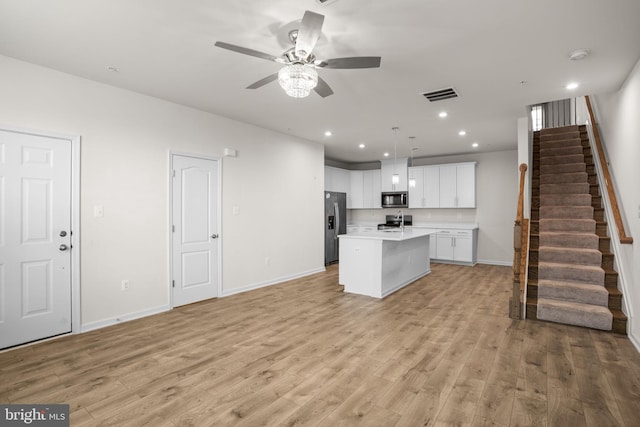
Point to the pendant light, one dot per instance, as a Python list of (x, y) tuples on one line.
[(412, 180), (395, 178)]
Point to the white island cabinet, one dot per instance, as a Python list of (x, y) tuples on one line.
[(378, 263)]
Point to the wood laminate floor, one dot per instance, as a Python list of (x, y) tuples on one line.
[(442, 351)]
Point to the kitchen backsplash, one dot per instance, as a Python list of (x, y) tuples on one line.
[(356, 216)]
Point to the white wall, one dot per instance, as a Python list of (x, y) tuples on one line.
[(126, 140), (496, 199), (620, 130)]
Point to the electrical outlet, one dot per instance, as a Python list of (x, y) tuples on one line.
[(126, 285)]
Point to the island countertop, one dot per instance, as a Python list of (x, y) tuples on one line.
[(393, 234)]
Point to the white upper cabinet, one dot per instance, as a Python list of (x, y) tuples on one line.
[(365, 190), (336, 179), (391, 167), (371, 189), (355, 197), (443, 186)]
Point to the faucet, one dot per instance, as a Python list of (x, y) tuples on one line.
[(400, 216)]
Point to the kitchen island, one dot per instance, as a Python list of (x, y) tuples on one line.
[(378, 263)]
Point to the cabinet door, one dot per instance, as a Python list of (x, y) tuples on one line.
[(466, 185), (448, 180), (444, 248), (416, 194), (431, 187), (355, 195), (391, 167), (371, 189), (462, 249), (342, 180)]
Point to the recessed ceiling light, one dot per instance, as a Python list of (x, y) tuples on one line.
[(462, 133), (442, 114), (386, 154), (361, 146), (579, 54), (474, 145), (328, 133), (572, 86), (113, 69)]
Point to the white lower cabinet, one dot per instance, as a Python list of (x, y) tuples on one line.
[(456, 245)]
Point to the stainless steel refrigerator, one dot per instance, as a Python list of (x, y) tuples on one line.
[(335, 223)]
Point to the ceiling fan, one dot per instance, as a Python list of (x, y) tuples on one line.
[(299, 76)]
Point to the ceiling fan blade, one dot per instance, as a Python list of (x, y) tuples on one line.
[(263, 82), (350, 63), (308, 33), (322, 88), (248, 51)]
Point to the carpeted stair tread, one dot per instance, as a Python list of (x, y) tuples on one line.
[(566, 212), (569, 239), (571, 313), (557, 160), (573, 292), (566, 255), (571, 272), (564, 178), (566, 200), (579, 225), (570, 188), (563, 168), (569, 147)]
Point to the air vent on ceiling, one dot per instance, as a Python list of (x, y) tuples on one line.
[(440, 95), (325, 2)]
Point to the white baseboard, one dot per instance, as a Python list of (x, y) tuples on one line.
[(124, 318), (226, 293), (503, 263), (635, 341)]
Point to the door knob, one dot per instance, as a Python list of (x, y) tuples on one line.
[(214, 236), (63, 247), (63, 233)]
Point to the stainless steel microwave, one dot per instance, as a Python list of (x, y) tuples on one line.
[(395, 199)]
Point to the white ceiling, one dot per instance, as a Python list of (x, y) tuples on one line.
[(484, 49)]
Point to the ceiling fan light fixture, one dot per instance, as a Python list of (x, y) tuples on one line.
[(297, 80)]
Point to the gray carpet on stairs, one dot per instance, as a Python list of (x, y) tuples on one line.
[(570, 277)]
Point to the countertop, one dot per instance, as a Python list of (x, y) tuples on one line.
[(394, 234), (445, 225)]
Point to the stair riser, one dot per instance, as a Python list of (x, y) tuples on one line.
[(552, 144)]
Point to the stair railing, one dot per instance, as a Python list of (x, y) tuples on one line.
[(622, 235), (520, 249)]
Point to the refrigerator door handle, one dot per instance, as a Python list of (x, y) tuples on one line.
[(336, 212)]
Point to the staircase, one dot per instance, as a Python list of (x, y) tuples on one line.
[(571, 275)]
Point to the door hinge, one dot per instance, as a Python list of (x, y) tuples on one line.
[(173, 228), (174, 173), (173, 283)]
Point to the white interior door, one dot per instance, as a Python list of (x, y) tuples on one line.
[(35, 237), (195, 252)]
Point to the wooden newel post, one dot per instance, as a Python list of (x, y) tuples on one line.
[(514, 308)]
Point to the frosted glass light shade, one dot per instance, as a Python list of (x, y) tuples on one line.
[(395, 179), (297, 80), (412, 182)]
